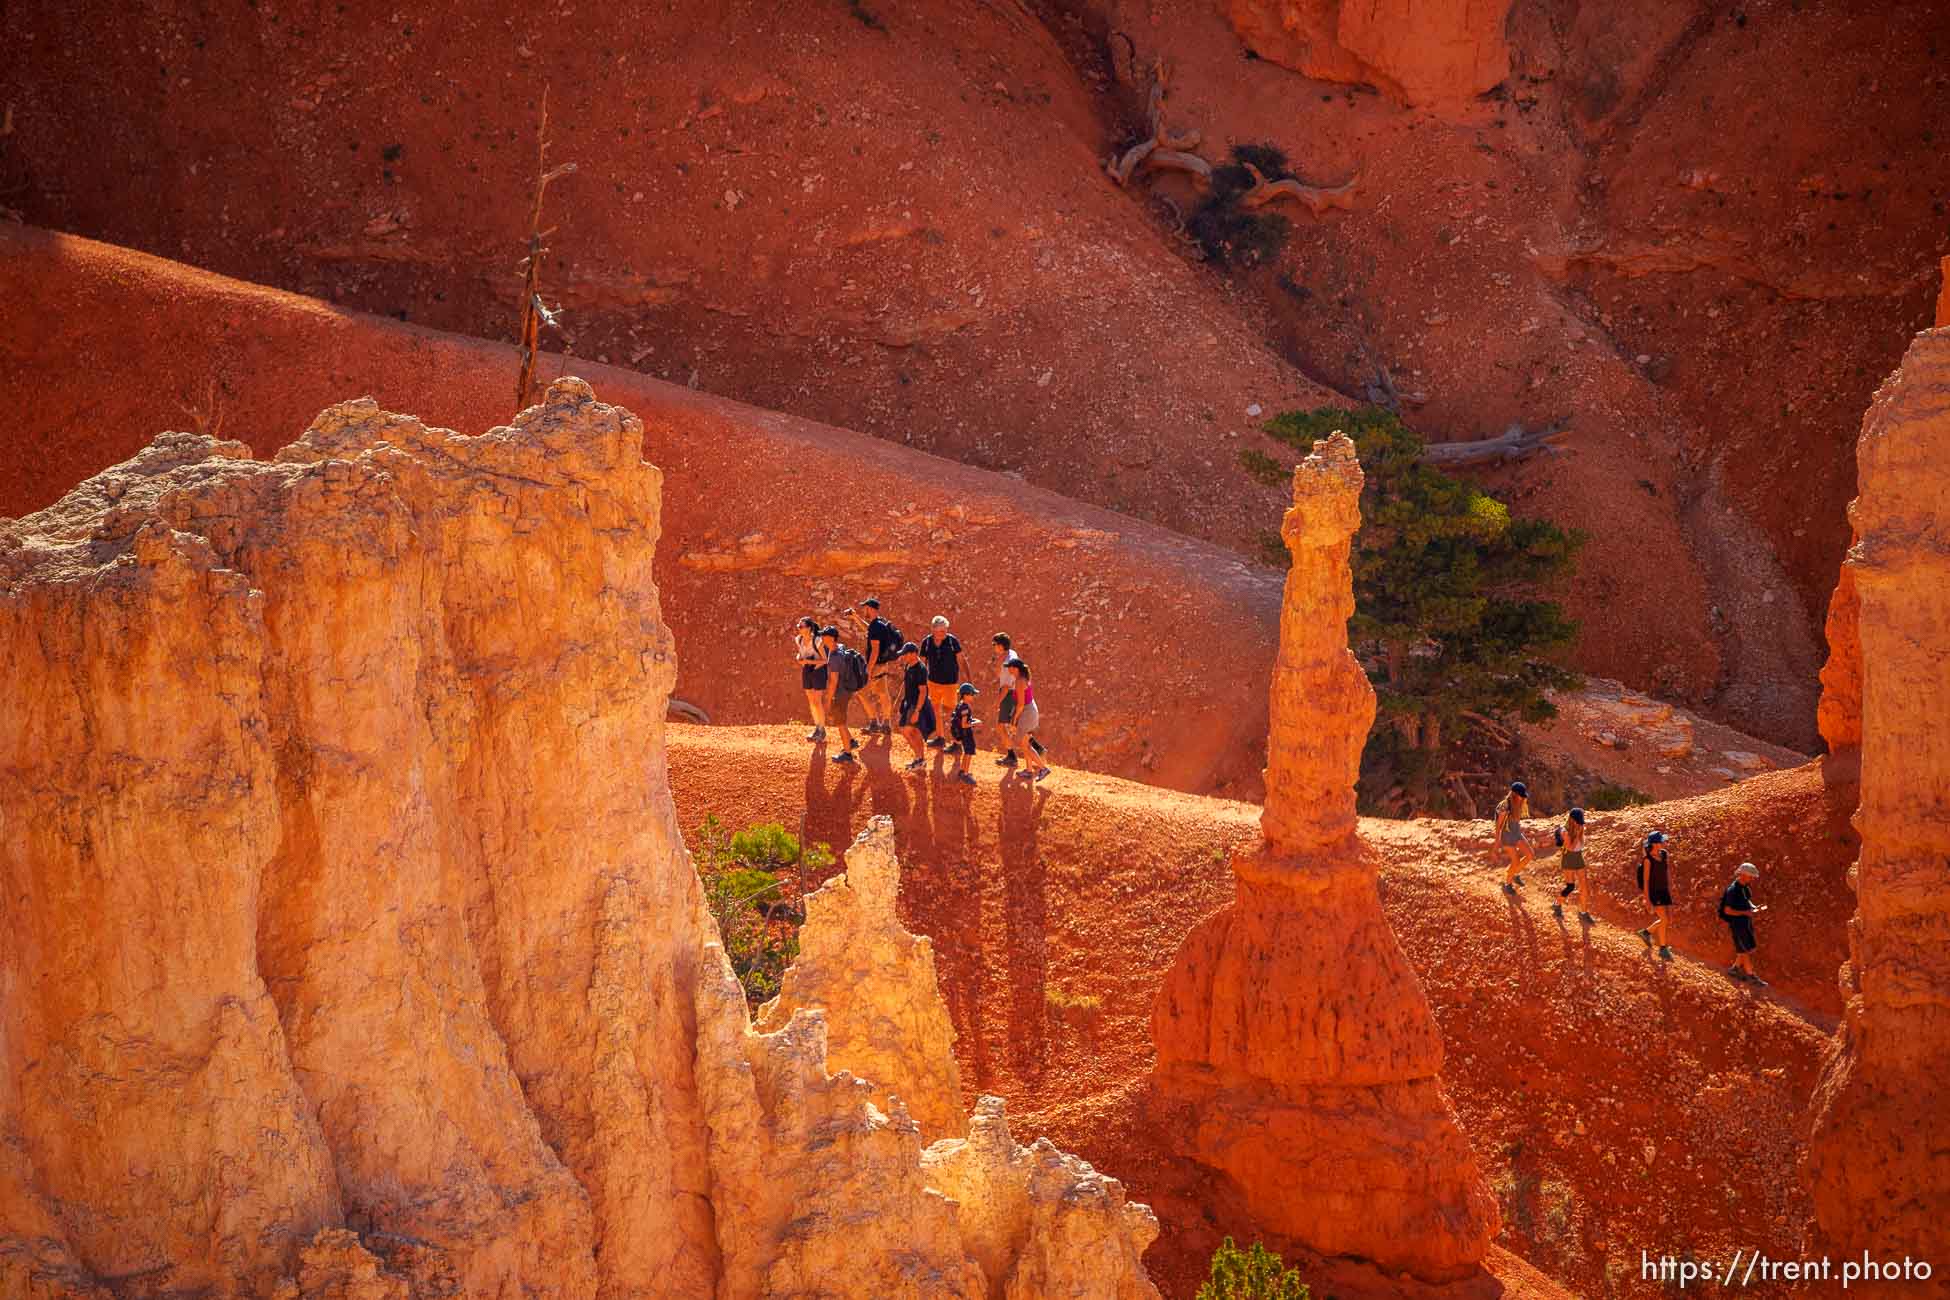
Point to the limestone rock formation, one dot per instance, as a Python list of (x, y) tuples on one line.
[(1421, 52), (1041, 1224), (352, 950), (885, 1018), (1879, 1176), (1296, 1052)]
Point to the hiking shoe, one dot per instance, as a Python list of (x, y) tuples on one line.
[(1755, 979), (853, 743), (1665, 952), (937, 743), (1557, 909), (817, 733), (1519, 880), (1647, 936), (1041, 772), (846, 757), (965, 778), (917, 765), (1007, 760), (1587, 918), (1734, 972), (1509, 889)]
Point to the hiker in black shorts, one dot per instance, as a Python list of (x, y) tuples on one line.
[(917, 711), (839, 693), (1570, 837), (1005, 707), (881, 643), (946, 667), (1510, 841), (1738, 909), (961, 727), (806, 652), (1655, 886)]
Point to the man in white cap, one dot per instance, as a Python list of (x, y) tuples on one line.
[(947, 666), (1738, 909)]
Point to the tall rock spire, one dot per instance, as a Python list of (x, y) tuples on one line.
[(1296, 1052)]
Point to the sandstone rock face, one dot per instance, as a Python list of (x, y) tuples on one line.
[(1040, 1223), (1840, 711), (353, 953), (1296, 1052), (1422, 52), (1311, 768), (885, 1018), (1879, 1177)]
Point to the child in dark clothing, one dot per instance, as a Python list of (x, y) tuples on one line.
[(961, 732), (917, 712)]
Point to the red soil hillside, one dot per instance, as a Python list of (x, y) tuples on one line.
[(898, 222), (765, 516), (1700, 234), (1609, 1095)]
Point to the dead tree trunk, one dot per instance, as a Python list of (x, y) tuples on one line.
[(533, 314), (1514, 443)]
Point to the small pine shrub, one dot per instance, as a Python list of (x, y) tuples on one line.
[(1610, 798), (746, 887), (1236, 236), (1255, 1274), (1263, 468)]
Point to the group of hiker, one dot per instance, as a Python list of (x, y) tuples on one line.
[(922, 689), (1737, 906)]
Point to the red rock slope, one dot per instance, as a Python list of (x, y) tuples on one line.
[(1148, 646)]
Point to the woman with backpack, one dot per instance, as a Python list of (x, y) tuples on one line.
[(1655, 887), (846, 672), (811, 658), (1570, 838), (1510, 841)]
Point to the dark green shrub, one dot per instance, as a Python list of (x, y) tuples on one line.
[(1255, 1274), (1610, 798), (1447, 616), (750, 884), (1236, 236)]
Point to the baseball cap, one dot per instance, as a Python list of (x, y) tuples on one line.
[(829, 630), (1519, 788), (871, 602), (968, 688), (1577, 815), (1658, 837), (909, 648)]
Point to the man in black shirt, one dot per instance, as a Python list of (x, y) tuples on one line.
[(1738, 909), (917, 711), (881, 644), (946, 668)]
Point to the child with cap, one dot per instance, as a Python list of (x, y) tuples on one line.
[(917, 710), (1738, 909), (1570, 837), (961, 730), (1655, 886), (1510, 841)]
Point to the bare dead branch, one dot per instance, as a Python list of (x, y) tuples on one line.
[(535, 316), (1317, 199), (1513, 444), (1174, 160)]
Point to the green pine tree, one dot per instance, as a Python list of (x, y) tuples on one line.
[(1447, 615), (1256, 1274)]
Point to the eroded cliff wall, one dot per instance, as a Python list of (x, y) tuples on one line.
[(1879, 1175), (1296, 1052), (358, 955), (1439, 53)]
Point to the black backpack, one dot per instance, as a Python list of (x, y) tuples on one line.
[(890, 642), (853, 667)]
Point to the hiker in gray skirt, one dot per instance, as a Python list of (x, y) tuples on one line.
[(1028, 717)]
